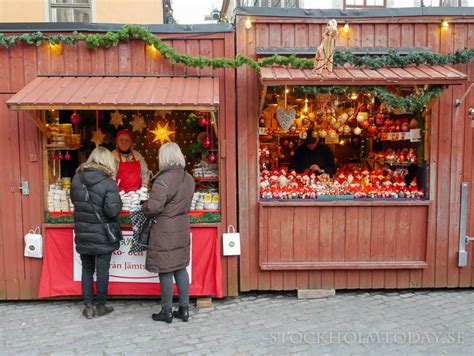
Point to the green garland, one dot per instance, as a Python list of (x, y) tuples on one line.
[(129, 32), (414, 102), (209, 217)]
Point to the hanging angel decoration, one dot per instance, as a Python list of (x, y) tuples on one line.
[(325, 51)]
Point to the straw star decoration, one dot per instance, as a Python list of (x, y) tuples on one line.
[(162, 113), (162, 133), (116, 119), (138, 124), (98, 137)]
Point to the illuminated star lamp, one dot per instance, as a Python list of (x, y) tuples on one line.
[(162, 133)]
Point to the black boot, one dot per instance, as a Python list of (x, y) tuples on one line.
[(102, 310), (164, 315), (182, 313), (88, 311)]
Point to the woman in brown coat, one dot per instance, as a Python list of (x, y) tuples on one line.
[(169, 243)]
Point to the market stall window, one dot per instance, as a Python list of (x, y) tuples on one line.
[(73, 134), (344, 142)]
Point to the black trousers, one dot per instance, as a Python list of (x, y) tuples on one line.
[(101, 265), (166, 287)]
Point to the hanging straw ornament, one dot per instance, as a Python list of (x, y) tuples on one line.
[(97, 135)]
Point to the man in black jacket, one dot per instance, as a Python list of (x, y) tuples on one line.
[(313, 156)]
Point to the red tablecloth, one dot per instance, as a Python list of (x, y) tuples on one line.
[(60, 267)]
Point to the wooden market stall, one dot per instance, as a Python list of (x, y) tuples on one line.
[(298, 232), (56, 98)]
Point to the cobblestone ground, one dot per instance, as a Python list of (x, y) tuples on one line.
[(352, 323)]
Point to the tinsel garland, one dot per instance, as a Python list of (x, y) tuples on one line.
[(414, 102), (129, 32)]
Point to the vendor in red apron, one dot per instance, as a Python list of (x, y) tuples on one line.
[(132, 170)]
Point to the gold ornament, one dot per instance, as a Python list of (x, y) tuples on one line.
[(116, 119), (98, 137), (138, 124), (162, 133)]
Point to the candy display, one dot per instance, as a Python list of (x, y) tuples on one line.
[(59, 196), (131, 200), (205, 170), (205, 200)]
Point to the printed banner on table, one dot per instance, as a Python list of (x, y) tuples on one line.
[(57, 275), (126, 266)]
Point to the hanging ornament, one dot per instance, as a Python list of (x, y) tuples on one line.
[(203, 121), (206, 143), (162, 133), (357, 130), (285, 117), (346, 129), (97, 135), (52, 155), (162, 113), (303, 135), (116, 119), (323, 133), (292, 129), (60, 156), (311, 116), (212, 158), (75, 118), (305, 122), (262, 119), (138, 123), (67, 156)]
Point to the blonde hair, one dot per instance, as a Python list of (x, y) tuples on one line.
[(170, 154), (104, 157)]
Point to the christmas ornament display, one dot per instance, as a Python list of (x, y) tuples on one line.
[(138, 123), (75, 118), (116, 119), (285, 117)]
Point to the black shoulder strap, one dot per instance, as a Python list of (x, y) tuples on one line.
[(88, 199)]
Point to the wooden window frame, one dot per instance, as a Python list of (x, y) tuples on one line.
[(365, 6), (53, 4)]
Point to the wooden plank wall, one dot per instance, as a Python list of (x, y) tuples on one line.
[(19, 276), (450, 161), (301, 234)]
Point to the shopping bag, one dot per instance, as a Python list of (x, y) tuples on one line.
[(34, 243), (231, 242)]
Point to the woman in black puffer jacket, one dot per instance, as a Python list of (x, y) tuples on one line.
[(90, 238)]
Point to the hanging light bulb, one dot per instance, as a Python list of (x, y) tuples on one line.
[(346, 27), (305, 105), (248, 24), (445, 25)]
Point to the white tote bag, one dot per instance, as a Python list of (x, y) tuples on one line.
[(231, 242), (34, 243)]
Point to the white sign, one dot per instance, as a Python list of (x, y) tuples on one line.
[(126, 266)]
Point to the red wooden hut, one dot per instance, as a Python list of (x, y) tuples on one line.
[(358, 243), (129, 76)]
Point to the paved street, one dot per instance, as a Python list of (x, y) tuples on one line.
[(352, 323)]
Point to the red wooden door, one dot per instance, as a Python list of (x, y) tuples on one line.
[(21, 159)]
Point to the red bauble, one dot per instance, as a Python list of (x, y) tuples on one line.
[(202, 122), (379, 119), (372, 129), (365, 124), (52, 155), (60, 156), (212, 158), (67, 156), (75, 118), (206, 143)]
